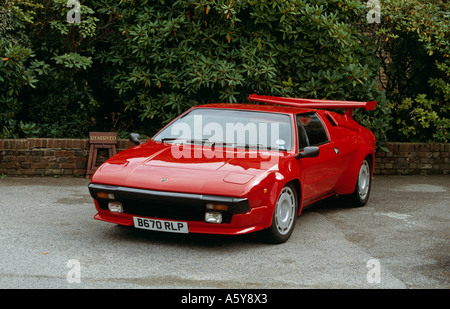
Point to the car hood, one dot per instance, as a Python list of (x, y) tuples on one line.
[(159, 166)]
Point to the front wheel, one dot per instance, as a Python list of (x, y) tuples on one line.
[(284, 215)]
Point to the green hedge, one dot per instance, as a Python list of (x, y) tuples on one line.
[(134, 65), (414, 46)]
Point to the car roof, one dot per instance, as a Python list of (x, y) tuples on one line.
[(258, 107)]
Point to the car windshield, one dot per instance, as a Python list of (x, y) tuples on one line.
[(230, 128)]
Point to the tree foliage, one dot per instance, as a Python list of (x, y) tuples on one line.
[(45, 65), (167, 56), (136, 64), (413, 44)]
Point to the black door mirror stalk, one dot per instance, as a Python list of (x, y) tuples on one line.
[(134, 138), (308, 152)]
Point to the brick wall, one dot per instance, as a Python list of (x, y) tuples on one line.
[(41, 157), (413, 159), (48, 156)]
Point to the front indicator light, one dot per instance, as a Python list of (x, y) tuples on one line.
[(105, 195), (115, 207), (213, 217), (221, 207)]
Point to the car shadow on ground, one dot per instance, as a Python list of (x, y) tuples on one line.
[(188, 240), (210, 240), (330, 204)]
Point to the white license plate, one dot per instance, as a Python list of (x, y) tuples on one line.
[(161, 225)]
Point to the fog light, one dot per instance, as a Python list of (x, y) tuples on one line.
[(115, 207), (105, 195), (213, 217)]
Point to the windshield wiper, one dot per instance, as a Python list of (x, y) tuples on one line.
[(213, 144), (196, 141), (261, 147), (168, 139), (254, 146), (188, 141)]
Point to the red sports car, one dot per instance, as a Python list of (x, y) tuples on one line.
[(238, 168)]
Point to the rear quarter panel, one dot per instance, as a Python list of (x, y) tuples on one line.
[(354, 143)]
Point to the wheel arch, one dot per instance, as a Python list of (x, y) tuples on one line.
[(273, 233), (297, 185), (347, 182), (371, 158)]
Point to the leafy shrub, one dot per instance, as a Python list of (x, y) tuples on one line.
[(134, 65), (16, 72), (44, 71), (413, 44), (419, 120), (165, 56)]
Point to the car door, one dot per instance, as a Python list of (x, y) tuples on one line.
[(319, 174)]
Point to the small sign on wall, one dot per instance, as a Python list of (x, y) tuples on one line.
[(100, 140)]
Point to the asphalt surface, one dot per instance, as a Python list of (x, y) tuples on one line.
[(400, 239)]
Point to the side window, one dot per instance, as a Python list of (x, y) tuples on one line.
[(302, 138), (313, 128)]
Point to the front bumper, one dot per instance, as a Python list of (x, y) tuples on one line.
[(190, 208)]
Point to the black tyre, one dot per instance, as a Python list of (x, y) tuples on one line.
[(360, 196), (284, 216)]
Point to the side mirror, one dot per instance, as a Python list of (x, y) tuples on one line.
[(134, 138), (308, 152)]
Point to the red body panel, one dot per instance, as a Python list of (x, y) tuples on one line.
[(243, 173)]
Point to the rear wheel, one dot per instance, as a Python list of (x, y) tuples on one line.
[(360, 196), (284, 215)]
